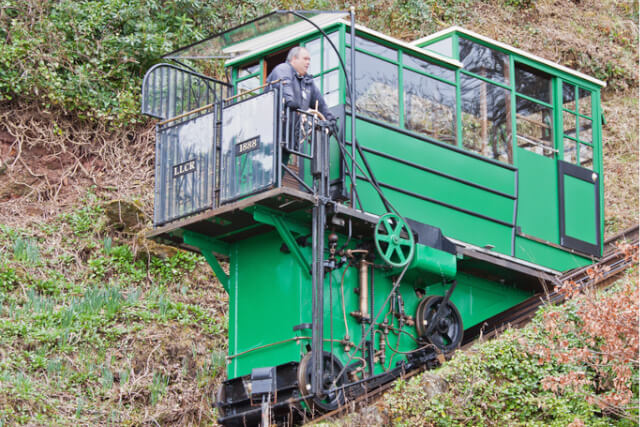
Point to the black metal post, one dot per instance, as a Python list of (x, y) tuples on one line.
[(317, 267), (352, 14)]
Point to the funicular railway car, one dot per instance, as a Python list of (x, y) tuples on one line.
[(467, 177)]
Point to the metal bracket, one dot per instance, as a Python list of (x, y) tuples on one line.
[(285, 227), (207, 248)]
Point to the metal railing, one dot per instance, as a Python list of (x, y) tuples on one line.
[(169, 91), (236, 147)]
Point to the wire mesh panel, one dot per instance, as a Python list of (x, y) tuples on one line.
[(248, 148), (168, 91), (185, 167)]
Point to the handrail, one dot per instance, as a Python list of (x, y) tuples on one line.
[(183, 115), (254, 89)]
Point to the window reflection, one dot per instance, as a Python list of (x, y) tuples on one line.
[(569, 124), (376, 88), (568, 96), (584, 101), (577, 130), (373, 47), (330, 56), (585, 132), (586, 156), (570, 151), (533, 83), (486, 123), (429, 107), (443, 47), (534, 127), (245, 71), (484, 61), (314, 48), (331, 88), (427, 67), (249, 84)]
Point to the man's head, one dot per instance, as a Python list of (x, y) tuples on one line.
[(299, 59)]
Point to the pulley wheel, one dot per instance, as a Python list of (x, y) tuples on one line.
[(394, 240), (446, 333), (331, 367)]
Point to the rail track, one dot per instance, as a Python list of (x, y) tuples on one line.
[(616, 259)]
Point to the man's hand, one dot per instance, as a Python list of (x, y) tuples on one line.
[(316, 113)]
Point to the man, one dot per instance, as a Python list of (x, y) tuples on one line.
[(298, 89)]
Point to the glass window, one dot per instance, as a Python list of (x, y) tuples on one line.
[(585, 132), (331, 88), (249, 84), (376, 88), (534, 127), (484, 61), (427, 67), (250, 69), (486, 121), (314, 48), (533, 83), (330, 56), (570, 151), (584, 102), (586, 156), (578, 147), (430, 107), (373, 47), (569, 124), (443, 47)]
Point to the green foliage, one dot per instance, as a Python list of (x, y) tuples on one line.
[(66, 309), (8, 277), (86, 219), (502, 382), (26, 250), (88, 57), (158, 387), (520, 4)]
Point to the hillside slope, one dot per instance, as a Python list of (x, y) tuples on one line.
[(98, 326)]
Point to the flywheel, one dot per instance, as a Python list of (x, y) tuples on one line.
[(331, 367), (394, 240), (446, 331)]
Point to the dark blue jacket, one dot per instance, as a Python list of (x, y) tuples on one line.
[(299, 92)]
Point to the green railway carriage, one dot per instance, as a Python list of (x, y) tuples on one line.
[(467, 177)]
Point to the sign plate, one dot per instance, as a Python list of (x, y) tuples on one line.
[(247, 145), (184, 168)]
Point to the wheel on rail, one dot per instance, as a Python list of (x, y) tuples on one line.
[(446, 333), (331, 367), (394, 240)]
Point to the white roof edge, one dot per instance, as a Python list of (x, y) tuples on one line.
[(436, 35), (417, 49), (511, 49)]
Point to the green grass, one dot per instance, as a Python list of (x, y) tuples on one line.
[(78, 331)]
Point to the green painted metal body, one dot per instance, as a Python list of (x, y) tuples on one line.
[(512, 208), (427, 262), (474, 199), (270, 294)]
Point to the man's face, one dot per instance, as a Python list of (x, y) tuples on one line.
[(301, 62)]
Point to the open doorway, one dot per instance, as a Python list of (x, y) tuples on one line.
[(272, 60)]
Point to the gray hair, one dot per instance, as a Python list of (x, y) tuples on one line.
[(294, 52)]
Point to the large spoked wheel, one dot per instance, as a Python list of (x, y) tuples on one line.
[(446, 333), (394, 240), (331, 367)]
